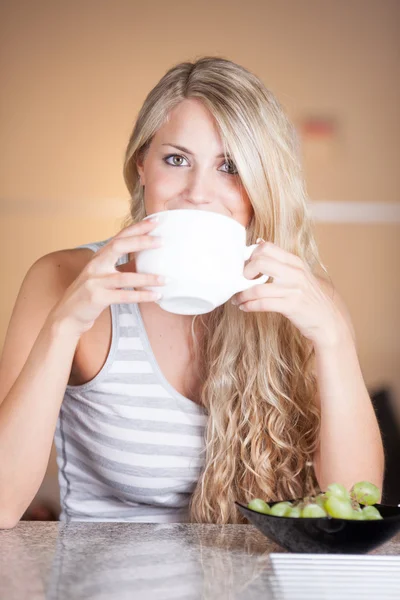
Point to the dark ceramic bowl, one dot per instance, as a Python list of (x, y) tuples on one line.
[(326, 535)]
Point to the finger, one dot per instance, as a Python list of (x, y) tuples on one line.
[(131, 280), (283, 256), (139, 228), (105, 259), (129, 296), (278, 305), (267, 290), (269, 266)]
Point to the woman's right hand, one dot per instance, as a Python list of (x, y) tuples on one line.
[(99, 283)]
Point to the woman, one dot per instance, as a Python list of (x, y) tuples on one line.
[(167, 417)]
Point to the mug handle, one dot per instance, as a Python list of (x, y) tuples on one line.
[(245, 284)]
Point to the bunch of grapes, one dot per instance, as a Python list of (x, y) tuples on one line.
[(335, 502)]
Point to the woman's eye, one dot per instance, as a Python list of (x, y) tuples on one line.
[(231, 165), (174, 157), (177, 161)]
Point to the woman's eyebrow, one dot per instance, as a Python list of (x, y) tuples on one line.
[(183, 149)]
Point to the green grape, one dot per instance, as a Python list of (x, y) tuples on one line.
[(365, 493), (338, 508), (370, 513), (357, 515), (281, 509), (336, 502), (295, 512), (314, 511), (320, 500), (338, 490), (259, 506)]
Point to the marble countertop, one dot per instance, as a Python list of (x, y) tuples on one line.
[(180, 561)]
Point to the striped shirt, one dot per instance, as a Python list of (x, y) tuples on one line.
[(129, 446)]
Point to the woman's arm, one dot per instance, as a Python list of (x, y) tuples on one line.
[(350, 443), (34, 368), (351, 447)]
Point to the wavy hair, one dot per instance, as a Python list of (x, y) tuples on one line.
[(257, 369)]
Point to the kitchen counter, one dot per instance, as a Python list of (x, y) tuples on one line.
[(53, 560)]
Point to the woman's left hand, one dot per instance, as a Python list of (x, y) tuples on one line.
[(294, 292)]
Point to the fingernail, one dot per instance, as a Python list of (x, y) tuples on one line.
[(154, 219), (259, 240)]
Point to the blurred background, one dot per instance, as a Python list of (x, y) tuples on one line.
[(75, 74)]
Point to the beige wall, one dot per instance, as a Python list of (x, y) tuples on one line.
[(363, 261), (73, 77), (75, 74)]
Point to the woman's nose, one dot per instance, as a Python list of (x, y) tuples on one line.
[(198, 189)]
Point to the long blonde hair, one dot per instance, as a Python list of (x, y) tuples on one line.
[(258, 380)]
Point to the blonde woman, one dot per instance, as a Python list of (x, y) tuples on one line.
[(160, 417)]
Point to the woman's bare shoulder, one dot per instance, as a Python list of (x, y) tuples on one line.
[(42, 287), (57, 270), (72, 258), (64, 265)]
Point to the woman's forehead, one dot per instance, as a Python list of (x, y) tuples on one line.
[(191, 126)]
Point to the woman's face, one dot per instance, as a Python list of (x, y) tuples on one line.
[(185, 167)]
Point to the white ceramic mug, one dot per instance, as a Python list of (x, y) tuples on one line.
[(202, 257)]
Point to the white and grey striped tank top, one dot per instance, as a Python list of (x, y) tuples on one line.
[(129, 446)]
